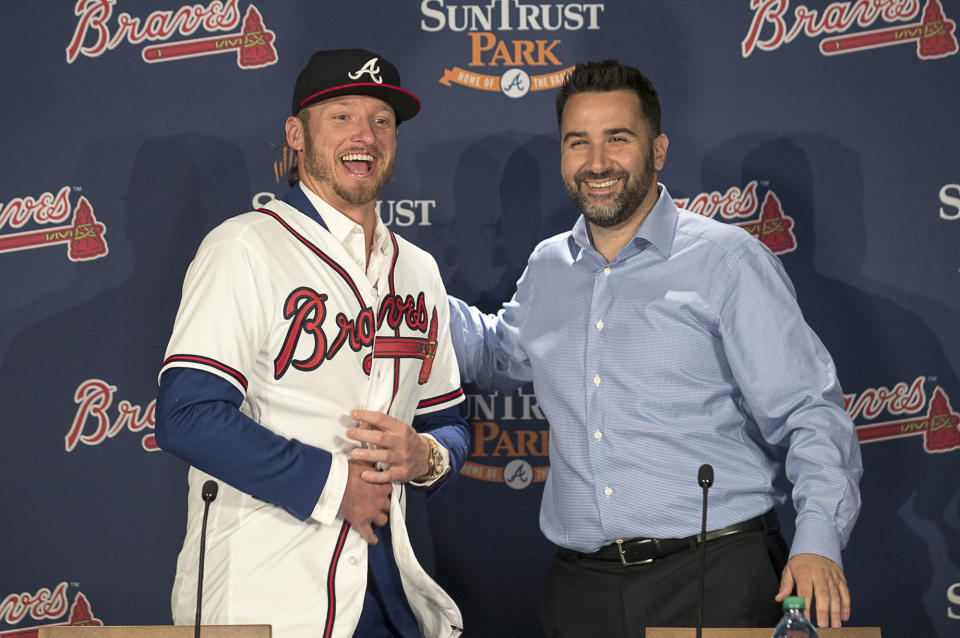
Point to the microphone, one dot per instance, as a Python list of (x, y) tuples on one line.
[(208, 493), (704, 480)]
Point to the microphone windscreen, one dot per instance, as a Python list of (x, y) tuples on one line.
[(209, 491), (705, 475)]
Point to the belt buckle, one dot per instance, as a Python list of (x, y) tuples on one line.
[(623, 559)]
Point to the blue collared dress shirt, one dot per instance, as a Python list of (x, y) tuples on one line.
[(687, 348)]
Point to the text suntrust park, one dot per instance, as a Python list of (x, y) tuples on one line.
[(509, 15)]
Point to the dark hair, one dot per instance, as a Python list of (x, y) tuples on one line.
[(610, 75)]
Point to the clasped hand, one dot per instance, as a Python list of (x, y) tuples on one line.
[(402, 456)]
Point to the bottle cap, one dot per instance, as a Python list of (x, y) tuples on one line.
[(793, 602)]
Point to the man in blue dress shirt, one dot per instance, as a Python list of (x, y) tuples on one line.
[(658, 340)]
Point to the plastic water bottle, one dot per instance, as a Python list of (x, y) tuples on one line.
[(794, 624)]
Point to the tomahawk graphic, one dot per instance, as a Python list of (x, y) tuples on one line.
[(934, 36), (84, 237), (940, 428), (254, 45), (408, 348)]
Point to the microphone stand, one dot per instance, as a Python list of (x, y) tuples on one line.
[(208, 493), (705, 480)]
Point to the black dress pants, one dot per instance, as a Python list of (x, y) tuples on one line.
[(586, 597)]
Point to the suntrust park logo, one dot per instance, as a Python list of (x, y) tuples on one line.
[(55, 220), (739, 206), (510, 439), (504, 47), (773, 25), (99, 31), (45, 607)]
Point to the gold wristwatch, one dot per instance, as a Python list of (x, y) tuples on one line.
[(435, 464)]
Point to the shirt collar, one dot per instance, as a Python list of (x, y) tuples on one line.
[(658, 229), (341, 226)]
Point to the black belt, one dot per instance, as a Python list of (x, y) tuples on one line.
[(639, 551)]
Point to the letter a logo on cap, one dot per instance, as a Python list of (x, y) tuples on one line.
[(369, 67)]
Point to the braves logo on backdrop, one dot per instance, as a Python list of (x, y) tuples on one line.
[(510, 439), (45, 607), (306, 311), (98, 31), (82, 233), (511, 66), (96, 420), (933, 419), (773, 25), (773, 227)]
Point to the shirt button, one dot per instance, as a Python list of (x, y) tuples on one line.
[(596, 380), (353, 560), (600, 325), (606, 272), (598, 435), (608, 491)]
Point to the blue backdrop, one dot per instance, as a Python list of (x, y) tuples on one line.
[(131, 127)]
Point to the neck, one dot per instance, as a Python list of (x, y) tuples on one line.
[(362, 214), (610, 240)]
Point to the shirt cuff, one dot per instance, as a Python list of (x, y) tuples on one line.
[(817, 537), (328, 505), (446, 466)]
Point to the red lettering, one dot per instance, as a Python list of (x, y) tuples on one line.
[(306, 309), (44, 605)]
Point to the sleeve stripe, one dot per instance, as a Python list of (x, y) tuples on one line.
[(443, 398), (206, 361)]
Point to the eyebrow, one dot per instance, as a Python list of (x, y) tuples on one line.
[(609, 131)]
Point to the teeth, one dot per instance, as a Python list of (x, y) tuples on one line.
[(604, 184), (357, 157)]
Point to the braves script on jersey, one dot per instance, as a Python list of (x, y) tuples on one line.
[(274, 304)]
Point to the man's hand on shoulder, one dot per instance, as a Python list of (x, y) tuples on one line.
[(821, 579), (403, 453), (364, 503)]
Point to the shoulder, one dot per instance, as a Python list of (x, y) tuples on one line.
[(559, 248), (411, 257), (726, 241)]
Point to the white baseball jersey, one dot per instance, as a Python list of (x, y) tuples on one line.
[(273, 304)]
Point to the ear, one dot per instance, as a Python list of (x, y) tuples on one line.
[(660, 144), (295, 133)]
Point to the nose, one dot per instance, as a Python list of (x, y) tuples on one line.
[(363, 132), (597, 161)]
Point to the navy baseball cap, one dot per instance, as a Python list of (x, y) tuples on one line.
[(353, 72)]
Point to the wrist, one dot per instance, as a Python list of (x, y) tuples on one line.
[(433, 462)]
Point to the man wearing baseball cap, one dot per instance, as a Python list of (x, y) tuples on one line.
[(311, 373)]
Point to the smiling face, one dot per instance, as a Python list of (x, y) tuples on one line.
[(608, 160), (346, 149)]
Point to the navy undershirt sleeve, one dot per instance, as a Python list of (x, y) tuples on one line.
[(450, 430), (198, 419)]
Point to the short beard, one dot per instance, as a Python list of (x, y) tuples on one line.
[(623, 206), (317, 167)]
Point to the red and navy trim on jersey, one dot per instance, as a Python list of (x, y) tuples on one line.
[(337, 268), (207, 362), (332, 581), (443, 398), (393, 293)]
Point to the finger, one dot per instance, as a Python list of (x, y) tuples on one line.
[(366, 532), (786, 584), (380, 519), (376, 419), (374, 437), (372, 455), (836, 606), (845, 604)]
